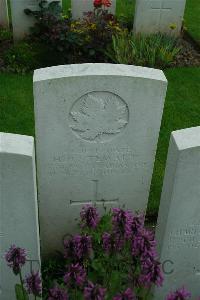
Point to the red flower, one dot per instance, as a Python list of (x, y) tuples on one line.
[(99, 3), (106, 3)]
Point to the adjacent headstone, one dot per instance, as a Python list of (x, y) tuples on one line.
[(4, 19), (79, 7), (164, 16), (97, 128), (18, 206), (178, 229), (20, 21)]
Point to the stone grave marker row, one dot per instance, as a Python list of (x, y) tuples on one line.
[(178, 228), (18, 207)]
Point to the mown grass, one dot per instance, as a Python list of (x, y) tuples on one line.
[(192, 18), (182, 110)]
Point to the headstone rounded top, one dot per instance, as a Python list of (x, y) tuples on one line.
[(97, 69), (98, 116), (16, 144)]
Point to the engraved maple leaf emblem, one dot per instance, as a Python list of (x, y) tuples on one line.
[(98, 116)]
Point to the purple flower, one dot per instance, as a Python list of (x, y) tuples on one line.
[(107, 242), (34, 283), (150, 272), (180, 294), (75, 276), (57, 294), (112, 242), (89, 216), (144, 244), (122, 222), (16, 258), (78, 247), (126, 295), (94, 292), (137, 223)]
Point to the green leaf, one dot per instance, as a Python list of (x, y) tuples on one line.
[(19, 293)]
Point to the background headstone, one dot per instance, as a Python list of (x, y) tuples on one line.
[(18, 206), (4, 19), (20, 21), (97, 128), (178, 229), (153, 16), (79, 7)]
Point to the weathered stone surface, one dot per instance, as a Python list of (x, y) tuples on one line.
[(4, 19), (158, 16), (20, 21), (178, 229), (18, 206), (97, 127), (79, 7)]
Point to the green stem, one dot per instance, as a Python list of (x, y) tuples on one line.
[(22, 284)]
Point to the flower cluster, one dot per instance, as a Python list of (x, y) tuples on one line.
[(126, 295), (100, 3), (57, 293), (89, 216), (92, 291), (114, 257), (78, 247), (76, 276), (180, 294), (34, 284), (16, 258), (144, 247)]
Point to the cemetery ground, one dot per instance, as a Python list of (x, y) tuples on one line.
[(180, 150), (182, 110)]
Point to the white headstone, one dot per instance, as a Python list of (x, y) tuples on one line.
[(153, 16), (79, 7), (18, 206), (4, 19), (178, 229), (97, 127), (20, 21)]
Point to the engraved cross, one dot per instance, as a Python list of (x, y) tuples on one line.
[(96, 196), (161, 8)]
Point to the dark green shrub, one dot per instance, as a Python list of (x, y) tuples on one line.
[(5, 34), (74, 41), (23, 57), (155, 50)]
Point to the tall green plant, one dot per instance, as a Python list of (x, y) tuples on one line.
[(155, 50)]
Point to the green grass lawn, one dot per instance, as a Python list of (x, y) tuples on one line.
[(182, 110), (192, 18)]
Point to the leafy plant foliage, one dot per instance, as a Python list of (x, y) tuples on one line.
[(155, 50)]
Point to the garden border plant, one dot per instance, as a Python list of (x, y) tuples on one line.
[(113, 257)]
